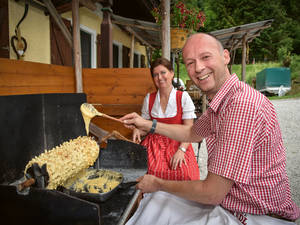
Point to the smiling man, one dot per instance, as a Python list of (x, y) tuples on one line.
[(206, 63), (247, 181)]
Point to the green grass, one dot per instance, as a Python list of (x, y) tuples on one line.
[(251, 71)]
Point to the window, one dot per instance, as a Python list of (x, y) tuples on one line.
[(121, 57), (85, 49), (137, 60), (88, 47), (117, 55), (143, 62), (125, 52)]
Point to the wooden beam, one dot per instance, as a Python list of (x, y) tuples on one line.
[(242, 31), (135, 25), (65, 7), (38, 5), (101, 1), (231, 40), (143, 41), (88, 4), (106, 37), (58, 20), (236, 42), (77, 45), (204, 102), (131, 52), (244, 58), (166, 46)]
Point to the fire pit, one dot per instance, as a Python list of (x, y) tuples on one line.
[(36, 122)]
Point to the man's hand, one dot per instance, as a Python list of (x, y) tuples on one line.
[(133, 120), (148, 183)]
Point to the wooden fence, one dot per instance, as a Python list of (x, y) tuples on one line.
[(120, 91)]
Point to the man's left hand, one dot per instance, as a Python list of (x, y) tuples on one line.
[(148, 183)]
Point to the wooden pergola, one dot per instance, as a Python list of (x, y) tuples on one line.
[(150, 34)]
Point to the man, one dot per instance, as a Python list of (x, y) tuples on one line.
[(246, 158)]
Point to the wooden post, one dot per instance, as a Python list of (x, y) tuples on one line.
[(131, 52), (166, 48), (178, 67), (106, 36), (203, 103), (232, 60), (151, 54), (244, 58), (77, 45)]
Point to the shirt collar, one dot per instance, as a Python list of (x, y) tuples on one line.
[(218, 98)]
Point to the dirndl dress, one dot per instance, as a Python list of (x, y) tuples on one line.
[(161, 149)]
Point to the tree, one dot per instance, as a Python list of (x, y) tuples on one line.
[(285, 30)]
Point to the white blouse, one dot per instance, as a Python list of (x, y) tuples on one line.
[(187, 104)]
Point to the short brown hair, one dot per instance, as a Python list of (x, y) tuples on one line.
[(161, 61)]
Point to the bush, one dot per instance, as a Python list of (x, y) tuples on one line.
[(284, 56), (295, 67), (284, 52)]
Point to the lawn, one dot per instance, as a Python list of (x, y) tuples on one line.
[(251, 70)]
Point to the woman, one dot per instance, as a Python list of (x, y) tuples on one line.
[(167, 158)]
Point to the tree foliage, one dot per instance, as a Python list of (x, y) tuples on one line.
[(284, 33)]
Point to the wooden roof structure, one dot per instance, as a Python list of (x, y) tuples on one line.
[(232, 38), (149, 33)]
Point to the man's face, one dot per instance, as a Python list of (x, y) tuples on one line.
[(206, 64)]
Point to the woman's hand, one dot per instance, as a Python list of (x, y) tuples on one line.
[(177, 159), (136, 136)]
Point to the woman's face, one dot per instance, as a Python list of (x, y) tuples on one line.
[(162, 77)]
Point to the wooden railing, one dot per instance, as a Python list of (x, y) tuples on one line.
[(120, 91)]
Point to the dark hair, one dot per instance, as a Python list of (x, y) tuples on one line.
[(161, 61)]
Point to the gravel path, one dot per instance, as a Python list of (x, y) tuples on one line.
[(288, 113)]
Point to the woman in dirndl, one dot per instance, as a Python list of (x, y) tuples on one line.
[(167, 158)]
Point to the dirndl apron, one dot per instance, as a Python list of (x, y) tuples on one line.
[(161, 149)]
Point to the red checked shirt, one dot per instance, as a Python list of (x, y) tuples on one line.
[(244, 144)]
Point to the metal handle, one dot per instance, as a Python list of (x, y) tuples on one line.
[(25, 184), (129, 207)]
